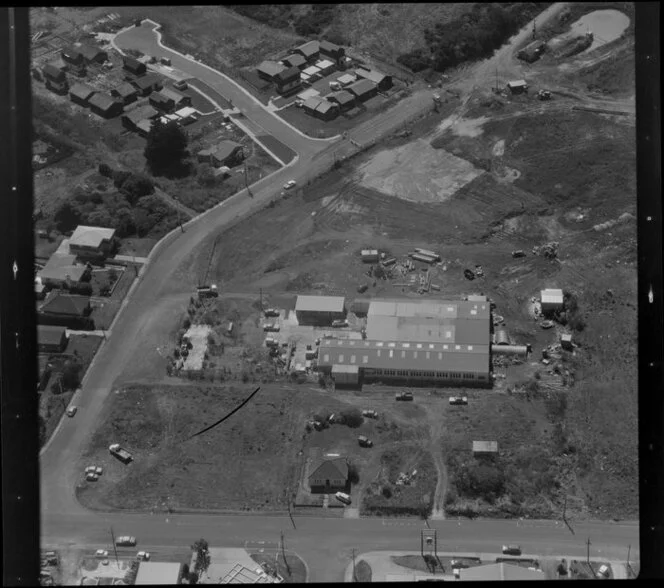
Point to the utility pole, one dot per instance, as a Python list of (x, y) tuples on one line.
[(117, 561), (588, 552), (629, 549), (246, 180), (354, 576)]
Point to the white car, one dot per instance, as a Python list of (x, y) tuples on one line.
[(99, 471), (125, 541), (91, 469), (603, 571), (71, 411), (342, 497), (91, 477), (101, 553), (289, 184), (143, 556)]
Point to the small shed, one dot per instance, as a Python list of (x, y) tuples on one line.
[(369, 255), (502, 337), (325, 66), (551, 300), (485, 447), (566, 342), (312, 71), (517, 86), (476, 298), (308, 93), (51, 339)]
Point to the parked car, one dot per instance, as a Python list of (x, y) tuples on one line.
[(104, 562), (404, 396), (603, 571), (271, 312), (143, 556), (458, 400), (181, 85), (364, 441), (289, 184), (547, 324), (457, 564), (90, 469), (343, 497), (518, 253), (340, 323), (99, 471), (71, 411), (125, 541), (91, 477), (271, 327), (479, 272), (371, 414), (512, 549), (469, 274), (101, 553)]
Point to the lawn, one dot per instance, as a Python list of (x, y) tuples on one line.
[(201, 103), (83, 347), (292, 569), (104, 312)]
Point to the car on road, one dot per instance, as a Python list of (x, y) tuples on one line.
[(125, 541), (143, 556), (518, 253), (370, 414), (343, 497), (512, 549), (289, 184), (404, 396), (271, 312), (71, 411), (271, 327), (101, 553), (90, 469), (181, 85), (458, 400), (457, 564), (364, 441)]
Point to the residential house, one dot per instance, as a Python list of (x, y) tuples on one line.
[(288, 80), (144, 112), (295, 60), (382, 81), (93, 54), (55, 78), (329, 474), (344, 99), (363, 89), (332, 51), (517, 86), (311, 73), (81, 93), (187, 115), (133, 65), (66, 310), (125, 92), (162, 102), (91, 242), (347, 79), (310, 104), (147, 84), (226, 153), (327, 110), (269, 69), (551, 300), (51, 339), (325, 66), (40, 289), (180, 100), (310, 51), (62, 270), (143, 127), (72, 56), (104, 105)]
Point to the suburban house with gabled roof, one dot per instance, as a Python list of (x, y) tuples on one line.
[(269, 69), (226, 153), (66, 310), (288, 80), (363, 89), (133, 65), (144, 112), (91, 242), (72, 55), (332, 51), (329, 474), (310, 51), (162, 102), (180, 100), (382, 81), (81, 93), (344, 99), (63, 269), (327, 110), (93, 54), (147, 84), (294, 60), (55, 78), (125, 92), (104, 105), (51, 339)]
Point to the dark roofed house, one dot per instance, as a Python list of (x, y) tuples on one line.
[(162, 102), (295, 60), (288, 80), (226, 153), (344, 99), (133, 65), (145, 112), (104, 105), (329, 475), (363, 89), (81, 93), (384, 82), (52, 73), (269, 69), (180, 100), (310, 51), (66, 310), (148, 84), (310, 104), (332, 51), (72, 55), (125, 92), (93, 54), (51, 339), (327, 110)]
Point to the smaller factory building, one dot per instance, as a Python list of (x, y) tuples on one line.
[(319, 310)]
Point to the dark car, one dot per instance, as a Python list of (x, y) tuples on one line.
[(404, 396), (512, 549)]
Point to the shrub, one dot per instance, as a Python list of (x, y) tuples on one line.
[(352, 417), (105, 290), (71, 375), (105, 170), (386, 492)]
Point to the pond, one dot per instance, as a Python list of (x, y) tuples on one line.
[(606, 25)]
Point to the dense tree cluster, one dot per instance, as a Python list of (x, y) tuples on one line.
[(475, 35), (281, 16), (166, 149), (318, 18)]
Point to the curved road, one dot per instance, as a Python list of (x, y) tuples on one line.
[(325, 543)]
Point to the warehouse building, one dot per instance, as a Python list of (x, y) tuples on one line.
[(319, 310), (415, 342), (551, 300)]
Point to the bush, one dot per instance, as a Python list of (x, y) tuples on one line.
[(105, 170), (105, 290), (386, 492), (352, 417), (186, 323)]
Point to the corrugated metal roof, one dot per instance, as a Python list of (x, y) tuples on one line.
[(489, 446), (552, 295), (320, 303)]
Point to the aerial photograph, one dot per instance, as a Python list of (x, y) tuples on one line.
[(336, 292)]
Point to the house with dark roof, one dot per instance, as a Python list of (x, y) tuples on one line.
[(145, 112), (329, 474), (105, 105), (162, 102), (147, 84), (310, 51), (81, 93), (125, 92), (66, 310), (332, 51), (288, 81), (267, 70), (384, 82), (327, 110), (344, 99), (310, 104), (226, 153), (133, 65), (180, 100), (51, 339), (363, 90), (55, 79), (93, 54), (295, 60), (72, 55)]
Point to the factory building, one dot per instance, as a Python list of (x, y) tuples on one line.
[(415, 342), (319, 310)]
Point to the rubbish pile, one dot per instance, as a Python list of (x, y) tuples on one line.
[(548, 250), (405, 479)]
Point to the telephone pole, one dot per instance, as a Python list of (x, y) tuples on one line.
[(115, 550), (354, 576), (588, 552)]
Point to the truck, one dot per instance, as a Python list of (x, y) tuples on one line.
[(122, 454), (404, 396), (364, 441), (207, 291)]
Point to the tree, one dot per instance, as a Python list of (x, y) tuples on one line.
[(166, 147), (67, 217), (71, 375), (352, 417), (202, 551), (134, 187)]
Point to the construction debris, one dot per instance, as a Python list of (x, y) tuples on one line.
[(548, 250)]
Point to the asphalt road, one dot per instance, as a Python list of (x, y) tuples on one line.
[(324, 543)]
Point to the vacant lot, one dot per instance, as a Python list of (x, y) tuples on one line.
[(104, 310)]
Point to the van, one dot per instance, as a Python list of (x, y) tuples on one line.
[(342, 497)]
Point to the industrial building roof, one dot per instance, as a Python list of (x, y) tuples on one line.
[(158, 573), (319, 304), (552, 296), (485, 446), (85, 236), (410, 355), (499, 571)]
